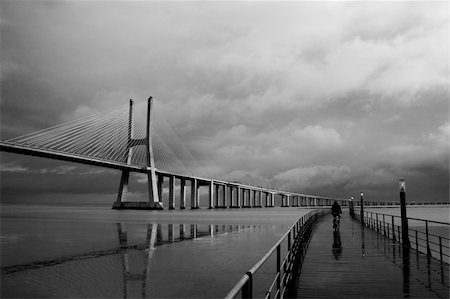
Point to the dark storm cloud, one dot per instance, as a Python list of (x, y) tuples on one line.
[(317, 97)]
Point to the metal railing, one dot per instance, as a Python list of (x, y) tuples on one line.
[(420, 238), (292, 244), (397, 203)]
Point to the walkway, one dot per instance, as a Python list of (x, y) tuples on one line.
[(367, 265)]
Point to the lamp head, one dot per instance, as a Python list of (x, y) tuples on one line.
[(402, 185)]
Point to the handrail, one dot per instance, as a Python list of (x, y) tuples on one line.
[(280, 280), (421, 241)]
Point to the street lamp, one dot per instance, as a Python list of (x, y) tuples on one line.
[(405, 236), (362, 207)]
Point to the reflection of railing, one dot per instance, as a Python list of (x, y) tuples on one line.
[(422, 240), (294, 245)]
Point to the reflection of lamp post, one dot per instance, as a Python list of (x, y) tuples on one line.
[(405, 237), (361, 203)]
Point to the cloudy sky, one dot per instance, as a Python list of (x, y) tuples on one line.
[(327, 98)]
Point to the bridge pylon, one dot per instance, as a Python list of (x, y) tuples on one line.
[(153, 202)]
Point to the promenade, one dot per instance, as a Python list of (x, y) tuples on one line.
[(365, 265)]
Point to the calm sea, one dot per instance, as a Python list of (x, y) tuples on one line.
[(69, 251)]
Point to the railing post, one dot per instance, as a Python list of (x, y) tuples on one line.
[(428, 242), (393, 229), (384, 226), (417, 243), (279, 269), (378, 227), (442, 262), (247, 290)]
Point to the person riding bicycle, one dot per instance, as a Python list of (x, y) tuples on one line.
[(336, 211)]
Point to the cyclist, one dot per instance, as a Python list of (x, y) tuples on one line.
[(336, 212)]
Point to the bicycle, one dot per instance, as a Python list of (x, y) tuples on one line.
[(336, 222)]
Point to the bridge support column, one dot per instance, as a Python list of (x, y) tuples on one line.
[(194, 193), (216, 196), (248, 202), (154, 200), (211, 194), (247, 195), (160, 184), (224, 195), (229, 193), (239, 198), (182, 194), (171, 192)]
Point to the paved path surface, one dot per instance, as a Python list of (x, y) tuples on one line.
[(367, 265)]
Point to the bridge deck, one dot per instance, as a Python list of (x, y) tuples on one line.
[(369, 266)]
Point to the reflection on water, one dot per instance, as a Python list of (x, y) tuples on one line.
[(129, 270), (337, 245), (417, 268), (363, 241)]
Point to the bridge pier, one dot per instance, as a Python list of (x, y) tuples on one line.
[(154, 202), (171, 192), (194, 194), (259, 199), (240, 194), (272, 200), (216, 195), (211, 194), (182, 194)]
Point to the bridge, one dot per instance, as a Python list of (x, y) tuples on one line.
[(113, 139)]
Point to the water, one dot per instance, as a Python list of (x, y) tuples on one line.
[(438, 232), (434, 213), (68, 251), (74, 251)]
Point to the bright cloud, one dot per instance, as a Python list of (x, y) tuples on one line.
[(288, 94)]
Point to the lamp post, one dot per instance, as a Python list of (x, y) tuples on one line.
[(351, 208), (361, 203), (405, 237)]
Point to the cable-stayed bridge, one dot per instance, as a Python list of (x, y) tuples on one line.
[(124, 139)]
